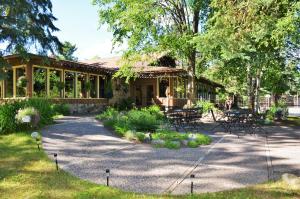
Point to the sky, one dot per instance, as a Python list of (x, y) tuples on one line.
[(78, 22)]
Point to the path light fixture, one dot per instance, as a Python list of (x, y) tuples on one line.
[(35, 135), (192, 183), (55, 157), (107, 176)]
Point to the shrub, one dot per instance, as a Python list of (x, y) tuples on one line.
[(172, 144), (8, 112), (30, 112), (142, 121), (205, 105), (140, 136), (169, 135), (155, 110), (202, 139), (192, 144), (277, 112), (130, 135), (43, 106), (61, 109), (109, 113), (125, 104)]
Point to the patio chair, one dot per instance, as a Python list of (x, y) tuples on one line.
[(221, 122)]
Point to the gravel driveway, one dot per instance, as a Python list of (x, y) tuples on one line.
[(86, 149)]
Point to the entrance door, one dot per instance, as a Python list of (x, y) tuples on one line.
[(149, 95)]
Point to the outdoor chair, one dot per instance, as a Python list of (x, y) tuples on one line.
[(221, 122)]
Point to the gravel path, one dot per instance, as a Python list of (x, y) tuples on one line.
[(85, 149)]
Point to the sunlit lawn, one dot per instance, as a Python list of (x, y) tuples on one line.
[(27, 173)]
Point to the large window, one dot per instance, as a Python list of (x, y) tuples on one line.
[(164, 87), (56, 85), (93, 85), (69, 84), (40, 82), (8, 84), (101, 87), (82, 85), (21, 82)]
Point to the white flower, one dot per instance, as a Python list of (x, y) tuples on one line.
[(26, 119)]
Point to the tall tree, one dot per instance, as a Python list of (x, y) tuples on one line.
[(248, 38), (157, 26), (27, 25), (67, 52)]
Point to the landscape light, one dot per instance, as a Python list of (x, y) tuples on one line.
[(107, 176), (192, 183), (55, 157), (35, 135)]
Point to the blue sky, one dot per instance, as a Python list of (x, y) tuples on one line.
[(79, 24)]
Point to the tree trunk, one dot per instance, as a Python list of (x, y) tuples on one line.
[(257, 87), (250, 91), (191, 79)]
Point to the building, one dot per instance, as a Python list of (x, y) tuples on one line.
[(90, 84)]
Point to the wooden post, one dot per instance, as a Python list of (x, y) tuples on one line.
[(29, 75), (97, 87), (14, 82), (48, 81)]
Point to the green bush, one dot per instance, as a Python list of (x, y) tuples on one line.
[(202, 139), (140, 136), (130, 135), (109, 113), (142, 120), (169, 135), (205, 105), (8, 111), (172, 144), (154, 110), (43, 106), (30, 112), (125, 104), (61, 109), (277, 112), (192, 144)]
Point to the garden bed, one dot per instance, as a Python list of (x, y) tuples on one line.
[(148, 125)]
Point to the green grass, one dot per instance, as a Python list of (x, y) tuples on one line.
[(26, 172), (293, 121)]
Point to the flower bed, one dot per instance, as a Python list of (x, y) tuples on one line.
[(147, 126)]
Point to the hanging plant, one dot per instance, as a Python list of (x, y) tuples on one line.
[(22, 82), (60, 85), (87, 86)]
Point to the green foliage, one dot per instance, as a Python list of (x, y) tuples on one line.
[(205, 105), (142, 120), (27, 25), (61, 109), (8, 112), (169, 135), (154, 110), (279, 111), (140, 136), (32, 113), (67, 52), (22, 82), (108, 114), (192, 144), (43, 106), (172, 144), (9, 115), (202, 139), (125, 104), (130, 135)]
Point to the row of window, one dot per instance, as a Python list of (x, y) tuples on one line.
[(61, 84)]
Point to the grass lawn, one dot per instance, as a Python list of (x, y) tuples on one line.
[(27, 173), (293, 121)]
